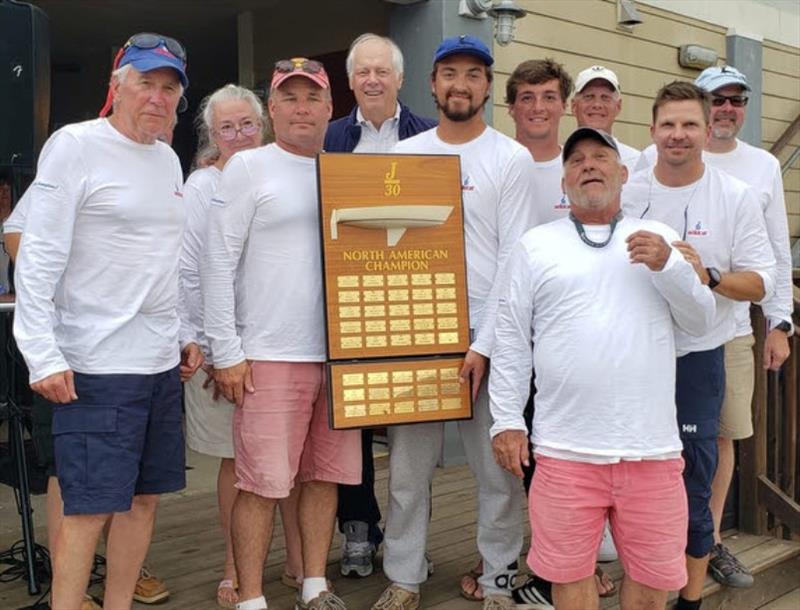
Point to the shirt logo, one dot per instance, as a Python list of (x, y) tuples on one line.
[(563, 204), (219, 202), (466, 186), (689, 428), (698, 230)]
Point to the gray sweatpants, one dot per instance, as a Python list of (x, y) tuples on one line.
[(414, 451)]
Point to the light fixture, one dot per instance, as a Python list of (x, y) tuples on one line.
[(474, 9), (627, 15), (697, 57), (505, 13)]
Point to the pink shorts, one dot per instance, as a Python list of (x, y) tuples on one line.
[(281, 433), (645, 502)]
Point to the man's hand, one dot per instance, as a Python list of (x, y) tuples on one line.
[(474, 367), (209, 371), (693, 258), (191, 360), (776, 349), (234, 381), (58, 387), (511, 451), (648, 248)]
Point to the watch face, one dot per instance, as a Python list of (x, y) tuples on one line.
[(784, 326), (714, 275)]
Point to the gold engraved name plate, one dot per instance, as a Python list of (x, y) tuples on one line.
[(393, 391)]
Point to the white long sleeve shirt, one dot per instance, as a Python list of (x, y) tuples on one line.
[(762, 172), (498, 193), (97, 273), (603, 343), (721, 218), (197, 193), (262, 275)]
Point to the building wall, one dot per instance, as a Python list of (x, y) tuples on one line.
[(579, 33)]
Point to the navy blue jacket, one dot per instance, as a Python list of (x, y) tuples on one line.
[(343, 134)]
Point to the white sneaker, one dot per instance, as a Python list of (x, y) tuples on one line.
[(607, 551)]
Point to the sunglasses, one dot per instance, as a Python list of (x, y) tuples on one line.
[(246, 127), (301, 64), (148, 40), (737, 101)]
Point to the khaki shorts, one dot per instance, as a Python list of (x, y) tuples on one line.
[(736, 419)]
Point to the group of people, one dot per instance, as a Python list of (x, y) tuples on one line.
[(609, 293)]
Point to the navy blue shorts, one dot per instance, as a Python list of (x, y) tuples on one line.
[(122, 437), (700, 390)]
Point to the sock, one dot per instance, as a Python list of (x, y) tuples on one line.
[(312, 587), (414, 588), (257, 603), (685, 604)]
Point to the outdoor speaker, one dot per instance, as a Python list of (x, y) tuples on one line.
[(24, 83)]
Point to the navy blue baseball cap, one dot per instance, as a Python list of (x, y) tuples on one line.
[(146, 59), (463, 45)]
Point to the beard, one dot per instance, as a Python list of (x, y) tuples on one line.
[(459, 116)]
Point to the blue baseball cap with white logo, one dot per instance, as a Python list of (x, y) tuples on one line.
[(716, 77), (463, 45), (145, 60)]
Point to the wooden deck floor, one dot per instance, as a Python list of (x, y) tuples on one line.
[(187, 550)]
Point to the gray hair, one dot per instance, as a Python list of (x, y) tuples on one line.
[(206, 149), (397, 54)]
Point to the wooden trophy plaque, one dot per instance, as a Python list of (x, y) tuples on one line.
[(395, 288)]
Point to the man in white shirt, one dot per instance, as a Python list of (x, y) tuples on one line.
[(588, 272), (761, 170), (97, 317), (536, 93), (497, 190), (375, 125), (597, 103), (264, 319), (723, 236)]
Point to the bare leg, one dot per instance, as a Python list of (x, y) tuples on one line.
[(636, 596), (580, 595), (251, 529), (75, 545), (55, 512), (721, 483), (226, 495), (317, 518), (696, 568), (128, 541), (291, 532)]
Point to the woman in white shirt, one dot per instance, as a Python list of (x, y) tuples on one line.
[(230, 119)]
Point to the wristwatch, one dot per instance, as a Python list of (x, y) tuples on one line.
[(714, 277), (781, 325)]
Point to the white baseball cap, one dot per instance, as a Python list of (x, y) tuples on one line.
[(594, 72)]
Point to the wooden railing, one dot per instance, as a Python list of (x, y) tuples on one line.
[(769, 477)]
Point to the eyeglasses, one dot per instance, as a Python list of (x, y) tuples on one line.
[(246, 128), (309, 66), (737, 101), (148, 40)]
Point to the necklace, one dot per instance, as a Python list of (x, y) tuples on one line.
[(685, 208), (585, 238)]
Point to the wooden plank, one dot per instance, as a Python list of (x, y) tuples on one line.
[(786, 136), (753, 451), (775, 60), (781, 85), (789, 440), (779, 504), (790, 601)]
